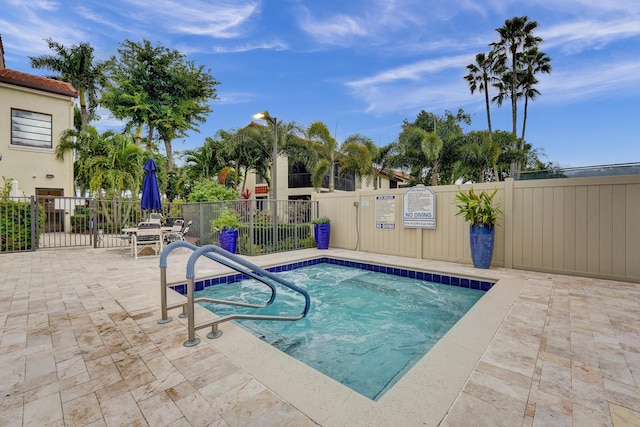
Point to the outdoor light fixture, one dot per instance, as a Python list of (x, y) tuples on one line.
[(264, 115)]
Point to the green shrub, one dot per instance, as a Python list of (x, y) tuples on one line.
[(15, 225), (211, 191)]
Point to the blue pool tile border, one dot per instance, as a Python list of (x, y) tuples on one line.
[(482, 285)]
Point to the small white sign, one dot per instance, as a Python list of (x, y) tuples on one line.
[(419, 208), (386, 212)]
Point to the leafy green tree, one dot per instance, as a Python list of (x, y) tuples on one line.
[(157, 87), (191, 89), (76, 65), (478, 158), (509, 153)]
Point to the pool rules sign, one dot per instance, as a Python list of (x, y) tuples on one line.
[(419, 208)]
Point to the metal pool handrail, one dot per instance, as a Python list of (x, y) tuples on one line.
[(218, 254), (163, 284)]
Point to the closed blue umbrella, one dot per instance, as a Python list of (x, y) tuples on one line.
[(150, 190)]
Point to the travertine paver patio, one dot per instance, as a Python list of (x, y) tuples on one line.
[(80, 345)]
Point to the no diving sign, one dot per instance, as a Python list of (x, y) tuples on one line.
[(419, 208)]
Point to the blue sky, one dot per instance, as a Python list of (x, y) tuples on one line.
[(362, 66)]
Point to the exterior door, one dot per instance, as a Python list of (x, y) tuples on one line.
[(54, 221)]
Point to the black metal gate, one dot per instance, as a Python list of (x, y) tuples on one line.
[(69, 222)]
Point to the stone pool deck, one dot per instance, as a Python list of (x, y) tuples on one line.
[(80, 346)]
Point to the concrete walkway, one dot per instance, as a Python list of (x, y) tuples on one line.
[(80, 346)]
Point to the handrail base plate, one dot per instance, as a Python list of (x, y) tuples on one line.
[(191, 343)]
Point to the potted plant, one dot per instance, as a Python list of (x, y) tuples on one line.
[(480, 211), (227, 225), (322, 231)]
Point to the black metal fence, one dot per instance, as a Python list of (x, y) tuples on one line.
[(261, 231), (266, 226)]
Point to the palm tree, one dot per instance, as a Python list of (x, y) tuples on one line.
[(516, 36), (478, 155), (119, 167), (76, 65), (326, 147), (205, 161), (381, 158), (356, 156), (106, 165), (83, 146), (480, 75), (534, 62), (422, 151), (248, 149)]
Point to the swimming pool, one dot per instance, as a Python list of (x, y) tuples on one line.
[(366, 328)]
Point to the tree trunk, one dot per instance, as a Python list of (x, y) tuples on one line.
[(524, 115), (486, 101), (434, 174), (83, 111), (332, 183), (150, 138), (169, 151)]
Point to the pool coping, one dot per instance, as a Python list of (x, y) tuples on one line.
[(424, 393)]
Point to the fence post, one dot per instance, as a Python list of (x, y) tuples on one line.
[(35, 224), (93, 214), (252, 211), (275, 224), (508, 222)]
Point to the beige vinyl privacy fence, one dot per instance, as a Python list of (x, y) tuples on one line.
[(579, 226)]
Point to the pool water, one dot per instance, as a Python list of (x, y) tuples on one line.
[(364, 329)]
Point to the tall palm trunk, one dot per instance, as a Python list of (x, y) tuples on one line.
[(524, 115), (514, 88), (486, 101)]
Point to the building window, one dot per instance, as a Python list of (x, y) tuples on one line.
[(29, 129)]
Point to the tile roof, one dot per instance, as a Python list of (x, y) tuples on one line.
[(18, 78)]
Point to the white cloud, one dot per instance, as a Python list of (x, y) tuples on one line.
[(339, 29), (577, 36), (247, 47), (609, 79), (230, 98), (413, 71)]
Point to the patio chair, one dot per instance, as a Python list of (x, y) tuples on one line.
[(174, 236), (155, 217), (147, 235)]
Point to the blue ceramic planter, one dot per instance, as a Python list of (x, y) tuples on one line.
[(322, 233), (481, 239), (228, 240)]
